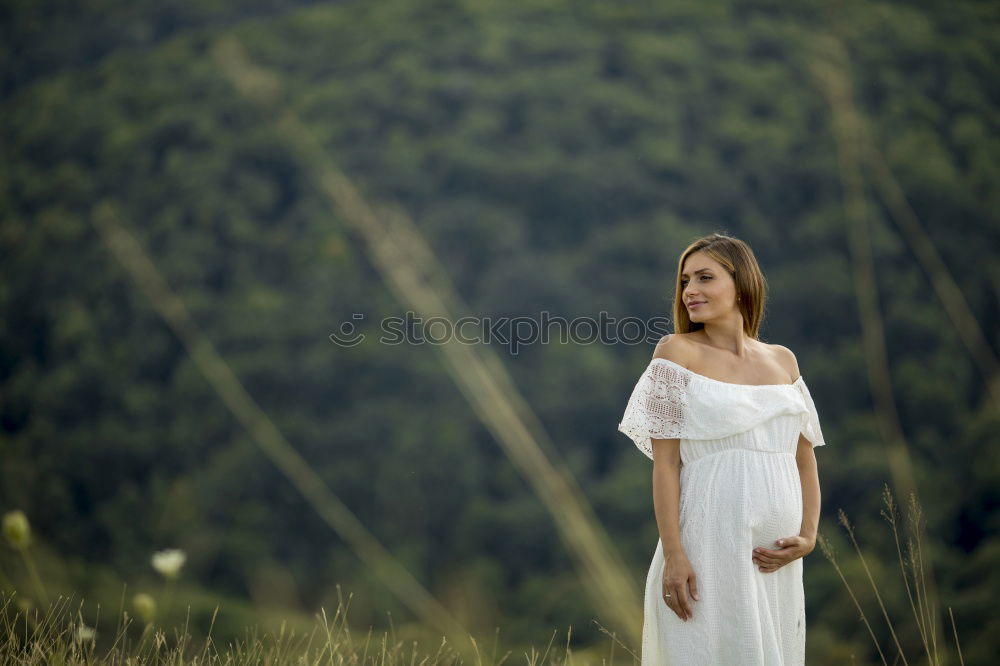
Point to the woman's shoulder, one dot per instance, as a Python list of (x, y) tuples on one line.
[(785, 358), (675, 347)]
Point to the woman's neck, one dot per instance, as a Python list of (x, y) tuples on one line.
[(728, 336)]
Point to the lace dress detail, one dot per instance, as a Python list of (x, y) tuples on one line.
[(671, 402), (657, 407), (740, 489)]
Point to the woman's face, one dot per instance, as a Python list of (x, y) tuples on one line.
[(707, 289)]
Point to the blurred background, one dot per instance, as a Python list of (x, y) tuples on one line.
[(285, 166)]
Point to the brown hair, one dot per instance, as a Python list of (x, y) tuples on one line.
[(751, 287)]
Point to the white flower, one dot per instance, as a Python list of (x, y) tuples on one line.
[(169, 562)]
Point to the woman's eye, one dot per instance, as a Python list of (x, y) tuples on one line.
[(707, 277)]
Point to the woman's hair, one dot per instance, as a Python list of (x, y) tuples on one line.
[(751, 287)]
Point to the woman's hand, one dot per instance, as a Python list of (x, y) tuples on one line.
[(789, 549), (678, 576)]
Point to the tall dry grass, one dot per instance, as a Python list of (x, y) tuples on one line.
[(60, 635), (911, 565)]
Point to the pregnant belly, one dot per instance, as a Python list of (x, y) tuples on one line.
[(756, 496), (775, 507)]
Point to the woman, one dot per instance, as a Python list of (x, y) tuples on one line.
[(730, 426)]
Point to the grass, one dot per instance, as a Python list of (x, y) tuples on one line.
[(60, 634), (911, 564)]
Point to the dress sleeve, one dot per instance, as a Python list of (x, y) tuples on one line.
[(658, 407), (810, 419)]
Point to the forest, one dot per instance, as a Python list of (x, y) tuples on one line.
[(195, 196)]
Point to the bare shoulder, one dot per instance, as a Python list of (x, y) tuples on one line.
[(674, 347), (786, 358)]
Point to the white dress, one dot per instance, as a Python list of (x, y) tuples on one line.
[(739, 489)]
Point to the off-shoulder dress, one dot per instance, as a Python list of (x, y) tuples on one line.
[(739, 489)]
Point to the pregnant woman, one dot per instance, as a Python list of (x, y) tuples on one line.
[(730, 427)]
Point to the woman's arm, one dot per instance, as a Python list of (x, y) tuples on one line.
[(680, 584), (667, 493), (791, 548), (805, 458)]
